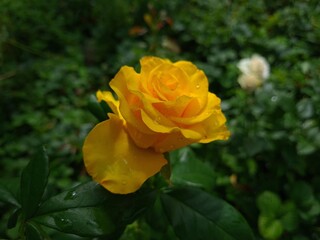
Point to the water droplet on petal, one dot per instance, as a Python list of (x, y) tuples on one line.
[(124, 182), (197, 86), (157, 120), (125, 161)]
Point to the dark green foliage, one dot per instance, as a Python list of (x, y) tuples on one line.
[(195, 214), (188, 170), (89, 210), (33, 182)]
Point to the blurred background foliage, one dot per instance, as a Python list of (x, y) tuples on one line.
[(55, 54)]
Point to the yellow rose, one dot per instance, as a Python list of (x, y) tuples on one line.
[(164, 107)]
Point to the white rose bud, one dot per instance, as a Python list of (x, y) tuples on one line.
[(255, 71), (249, 81)]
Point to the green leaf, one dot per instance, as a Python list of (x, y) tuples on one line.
[(13, 219), (9, 191), (290, 221), (156, 212), (91, 211), (188, 170), (32, 232), (270, 228), (195, 214), (269, 203), (33, 183), (99, 110), (302, 194), (305, 108), (64, 236), (84, 221), (306, 147), (88, 194)]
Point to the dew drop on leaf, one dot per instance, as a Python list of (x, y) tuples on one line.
[(71, 195), (63, 223)]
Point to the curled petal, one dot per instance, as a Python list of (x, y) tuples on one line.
[(113, 160), (213, 129), (198, 82), (148, 63), (142, 140), (172, 141), (158, 123), (174, 108), (109, 99), (129, 103), (213, 105)]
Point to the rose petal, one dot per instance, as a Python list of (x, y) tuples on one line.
[(141, 139), (199, 87), (244, 65), (168, 82), (221, 133), (133, 101), (172, 141), (109, 99), (164, 142), (113, 160), (157, 122), (147, 64), (173, 108), (213, 105), (187, 66), (129, 102), (213, 128), (192, 109), (198, 82)]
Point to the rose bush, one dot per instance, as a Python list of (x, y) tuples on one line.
[(164, 107)]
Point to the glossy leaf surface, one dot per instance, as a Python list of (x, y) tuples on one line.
[(32, 232), (188, 170), (195, 214), (33, 183), (90, 210), (8, 191)]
